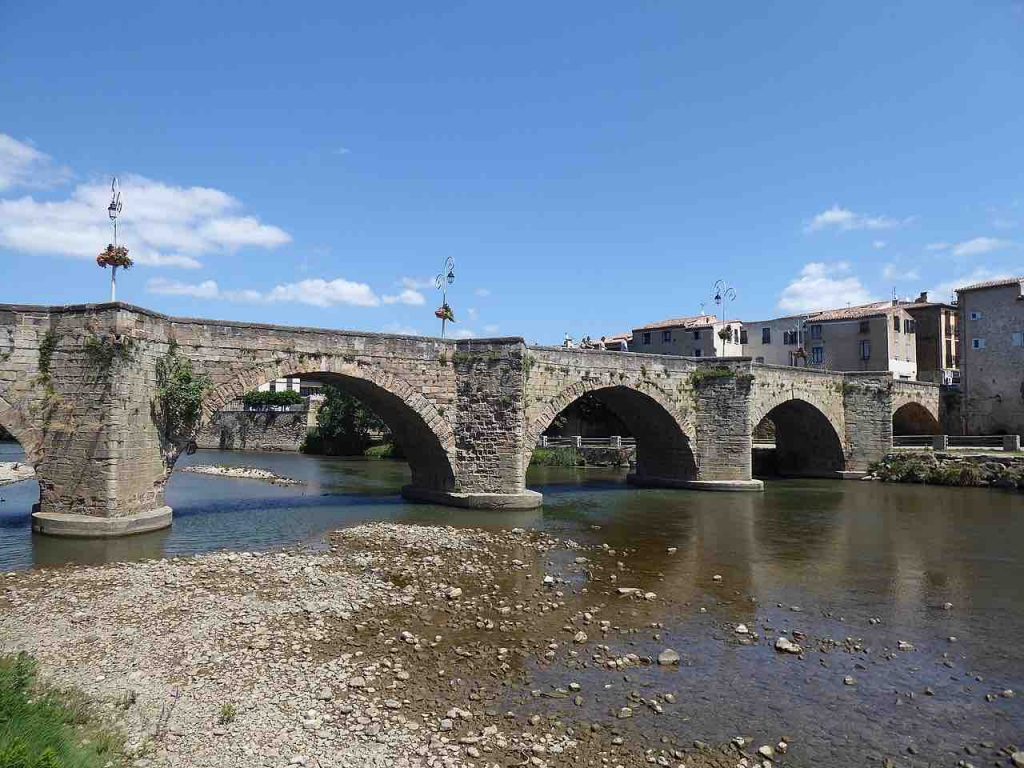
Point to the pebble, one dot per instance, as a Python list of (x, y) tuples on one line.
[(668, 657)]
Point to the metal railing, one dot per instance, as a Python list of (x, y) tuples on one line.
[(961, 442), (577, 441)]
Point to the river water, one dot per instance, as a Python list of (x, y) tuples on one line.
[(868, 561)]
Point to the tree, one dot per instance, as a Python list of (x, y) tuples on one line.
[(344, 425), (268, 401)]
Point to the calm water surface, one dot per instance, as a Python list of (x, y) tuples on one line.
[(846, 553)]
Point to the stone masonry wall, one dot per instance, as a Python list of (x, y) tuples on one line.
[(489, 439), (255, 430)]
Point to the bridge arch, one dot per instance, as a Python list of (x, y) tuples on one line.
[(664, 439), (807, 442), (914, 418), (425, 435)]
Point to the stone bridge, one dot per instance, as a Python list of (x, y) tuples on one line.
[(81, 389)]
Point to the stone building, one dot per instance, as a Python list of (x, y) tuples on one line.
[(697, 336), (938, 344), (871, 337), (992, 356), (776, 342)]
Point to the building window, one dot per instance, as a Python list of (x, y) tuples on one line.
[(697, 352), (696, 335), (978, 343), (766, 335), (816, 332), (865, 326), (1018, 339), (817, 354), (646, 337), (666, 336), (865, 349), (743, 337), (759, 360), (909, 326), (789, 338), (896, 323), (975, 315)]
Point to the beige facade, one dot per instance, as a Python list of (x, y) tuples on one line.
[(776, 342), (992, 356), (697, 336), (873, 337)]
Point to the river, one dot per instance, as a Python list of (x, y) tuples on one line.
[(872, 562)]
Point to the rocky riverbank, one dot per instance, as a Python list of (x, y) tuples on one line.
[(422, 646), (15, 472), (950, 469), (401, 646), (244, 473)]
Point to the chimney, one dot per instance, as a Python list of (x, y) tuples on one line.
[(923, 298)]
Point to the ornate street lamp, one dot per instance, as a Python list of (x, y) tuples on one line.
[(724, 293), (445, 278), (114, 255)]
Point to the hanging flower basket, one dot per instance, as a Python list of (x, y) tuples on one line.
[(725, 333), (444, 312), (114, 256)]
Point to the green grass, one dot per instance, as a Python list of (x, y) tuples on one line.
[(42, 727), (556, 457), (383, 451)]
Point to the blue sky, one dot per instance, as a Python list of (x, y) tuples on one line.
[(590, 167)]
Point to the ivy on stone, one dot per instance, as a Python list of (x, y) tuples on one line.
[(180, 393)]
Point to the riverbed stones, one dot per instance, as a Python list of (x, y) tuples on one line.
[(784, 645), (668, 657)]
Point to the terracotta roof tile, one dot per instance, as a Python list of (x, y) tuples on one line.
[(876, 309), (993, 284), (696, 321)]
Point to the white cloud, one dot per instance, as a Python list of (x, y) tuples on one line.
[(208, 289), (408, 296), (416, 283), (463, 333), (162, 225), (879, 244), (492, 329), (823, 286), (944, 291), (22, 165), (844, 219), (894, 272), (483, 293), (472, 313), (316, 292), (979, 246), (325, 293)]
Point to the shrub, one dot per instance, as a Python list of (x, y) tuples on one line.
[(955, 474), (384, 451), (708, 374), (180, 393), (556, 457), (265, 401)]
